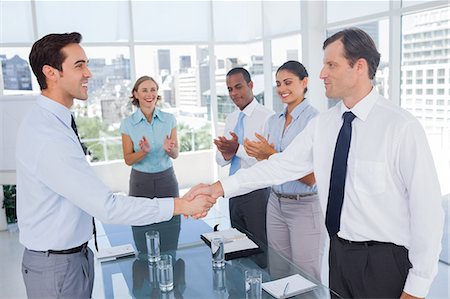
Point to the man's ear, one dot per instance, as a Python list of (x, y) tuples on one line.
[(250, 84), (50, 73), (361, 65)]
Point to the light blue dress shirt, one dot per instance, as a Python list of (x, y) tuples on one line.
[(58, 191), (136, 126), (301, 115)]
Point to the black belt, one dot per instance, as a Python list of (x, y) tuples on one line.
[(363, 243), (294, 196), (65, 251)]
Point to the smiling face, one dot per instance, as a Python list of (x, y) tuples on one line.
[(72, 81), (147, 94), (239, 90), (290, 87), (339, 77)]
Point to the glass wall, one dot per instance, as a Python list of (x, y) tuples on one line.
[(425, 74), (181, 43)]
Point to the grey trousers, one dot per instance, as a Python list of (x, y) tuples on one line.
[(295, 229), (160, 184), (58, 275)]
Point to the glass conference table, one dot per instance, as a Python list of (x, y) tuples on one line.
[(194, 277)]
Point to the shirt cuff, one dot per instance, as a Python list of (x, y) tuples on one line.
[(166, 207), (230, 186), (417, 286)]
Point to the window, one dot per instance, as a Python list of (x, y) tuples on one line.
[(182, 73), (379, 32), (16, 71), (284, 49), (424, 31), (248, 56), (98, 119), (336, 12)]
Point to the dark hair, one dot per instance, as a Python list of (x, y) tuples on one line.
[(357, 44), (47, 51), (240, 70), (139, 81), (296, 68)]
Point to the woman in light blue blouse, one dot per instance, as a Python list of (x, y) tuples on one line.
[(149, 141), (295, 224)]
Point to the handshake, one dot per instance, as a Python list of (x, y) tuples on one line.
[(198, 201)]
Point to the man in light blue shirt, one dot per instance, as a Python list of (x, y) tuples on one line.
[(57, 191)]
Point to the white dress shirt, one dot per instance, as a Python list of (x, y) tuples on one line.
[(256, 116), (57, 190), (392, 192)]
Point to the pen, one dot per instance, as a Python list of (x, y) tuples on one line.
[(285, 289)]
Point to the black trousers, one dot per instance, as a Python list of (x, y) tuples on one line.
[(367, 269), (248, 211)]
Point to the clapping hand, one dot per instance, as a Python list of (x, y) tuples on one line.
[(168, 145), (228, 147), (144, 145), (260, 149)]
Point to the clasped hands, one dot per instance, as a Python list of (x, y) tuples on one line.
[(199, 200)]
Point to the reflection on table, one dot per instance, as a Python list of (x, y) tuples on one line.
[(194, 276)]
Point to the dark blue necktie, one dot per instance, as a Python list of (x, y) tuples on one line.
[(94, 230), (338, 174)]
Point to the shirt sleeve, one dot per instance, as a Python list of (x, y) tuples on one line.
[(174, 121), (124, 127), (64, 169), (293, 163), (419, 176)]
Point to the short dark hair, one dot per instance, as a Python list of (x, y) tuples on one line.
[(240, 70), (357, 44), (296, 68), (47, 51)]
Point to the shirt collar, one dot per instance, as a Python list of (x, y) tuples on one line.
[(138, 116), (60, 111), (250, 107), (297, 110), (363, 107)]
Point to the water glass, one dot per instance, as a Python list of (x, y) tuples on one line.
[(253, 284), (153, 274), (165, 273), (218, 253), (219, 279), (152, 239)]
